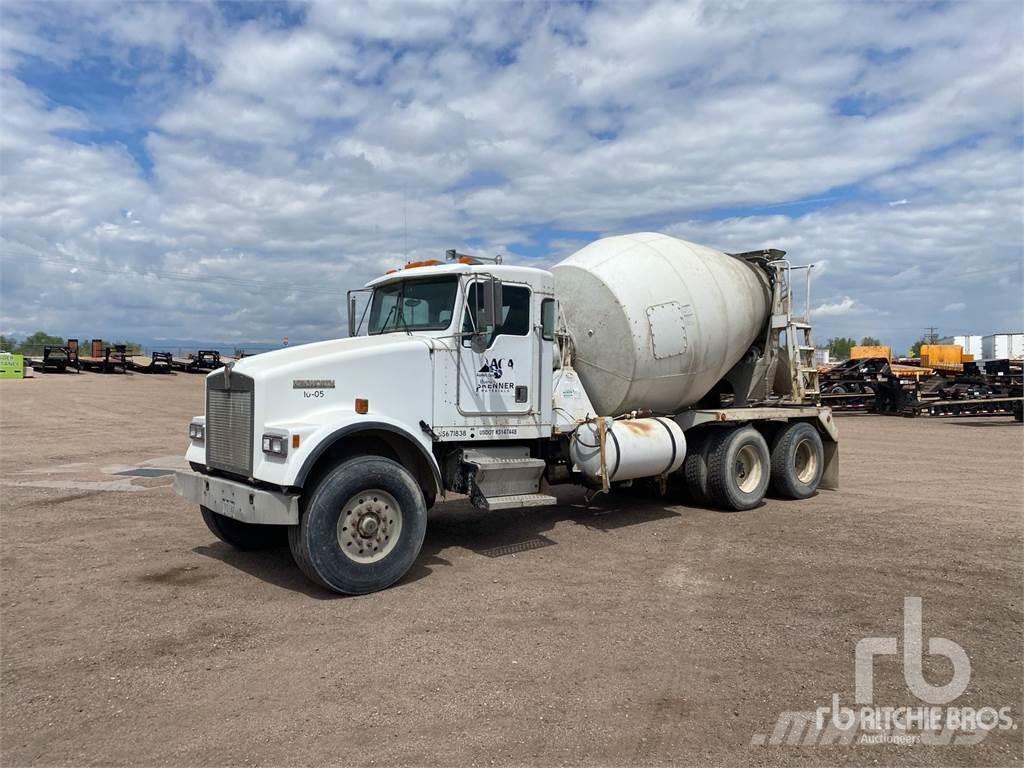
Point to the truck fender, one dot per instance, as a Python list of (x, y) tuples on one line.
[(350, 430)]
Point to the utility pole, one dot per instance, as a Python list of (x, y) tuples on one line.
[(931, 335)]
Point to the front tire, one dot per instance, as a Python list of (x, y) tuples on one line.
[(738, 469), (244, 536), (362, 528)]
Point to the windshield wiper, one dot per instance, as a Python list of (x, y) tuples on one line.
[(384, 325), (401, 316)]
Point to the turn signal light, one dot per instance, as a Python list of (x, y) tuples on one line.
[(295, 441), (362, 406)]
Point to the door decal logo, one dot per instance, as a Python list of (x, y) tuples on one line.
[(489, 377)]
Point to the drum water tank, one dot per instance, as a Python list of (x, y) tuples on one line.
[(656, 322)]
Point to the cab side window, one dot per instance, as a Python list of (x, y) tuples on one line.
[(515, 312)]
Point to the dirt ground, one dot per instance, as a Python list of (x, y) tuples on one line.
[(620, 632)]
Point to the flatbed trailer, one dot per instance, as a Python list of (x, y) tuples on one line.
[(877, 386), (113, 360), (201, 361), (56, 359), (984, 406), (158, 362)]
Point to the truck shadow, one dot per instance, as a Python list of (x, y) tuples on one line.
[(274, 566), (459, 525)]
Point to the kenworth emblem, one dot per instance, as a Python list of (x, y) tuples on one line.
[(312, 383)]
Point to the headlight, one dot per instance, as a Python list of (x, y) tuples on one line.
[(196, 432), (276, 445)]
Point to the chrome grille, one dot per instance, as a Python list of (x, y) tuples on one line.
[(229, 428)]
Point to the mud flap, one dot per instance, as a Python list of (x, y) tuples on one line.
[(830, 472)]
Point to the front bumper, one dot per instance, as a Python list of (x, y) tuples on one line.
[(237, 500)]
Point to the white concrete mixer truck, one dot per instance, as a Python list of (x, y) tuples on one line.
[(639, 359)]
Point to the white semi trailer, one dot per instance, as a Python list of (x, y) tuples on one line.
[(640, 357)]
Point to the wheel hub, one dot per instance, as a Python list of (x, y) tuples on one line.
[(369, 526), (805, 461), (748, 469)]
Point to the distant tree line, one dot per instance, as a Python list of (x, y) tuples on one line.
[(34, 343), (840, 347)]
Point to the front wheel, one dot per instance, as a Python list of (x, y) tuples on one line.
[(362, 527)]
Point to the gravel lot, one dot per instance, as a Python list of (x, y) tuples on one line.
[(621, 632)]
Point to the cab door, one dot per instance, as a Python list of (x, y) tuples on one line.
[(503, 378)]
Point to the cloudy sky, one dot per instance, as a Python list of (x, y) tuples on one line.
[(227, 171)]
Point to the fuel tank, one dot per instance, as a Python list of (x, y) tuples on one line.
[(633, 448)]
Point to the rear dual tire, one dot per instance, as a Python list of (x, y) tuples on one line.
[(738, 467), (798, 459), (695, 468), (733, 468)]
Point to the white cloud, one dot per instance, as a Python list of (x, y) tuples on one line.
[(320, 149), (956, 306), (842, 306)]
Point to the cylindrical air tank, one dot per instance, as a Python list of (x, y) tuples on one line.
[(632, 448), (656, 322)]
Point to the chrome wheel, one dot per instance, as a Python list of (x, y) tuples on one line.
[(748, 469), (369, 526)]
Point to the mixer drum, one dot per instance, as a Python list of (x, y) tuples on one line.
[(656, 322)]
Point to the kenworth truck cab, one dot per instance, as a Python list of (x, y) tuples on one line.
[(456, 377)]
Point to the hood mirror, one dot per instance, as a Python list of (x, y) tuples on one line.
[(351, 315)]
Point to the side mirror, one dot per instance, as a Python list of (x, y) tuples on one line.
[(492, 304), (351, 314), (487, 313)]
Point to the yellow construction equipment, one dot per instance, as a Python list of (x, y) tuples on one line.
[(861, 352), (944, 356)]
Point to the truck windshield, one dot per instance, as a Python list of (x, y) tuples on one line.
[(413, 305)]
